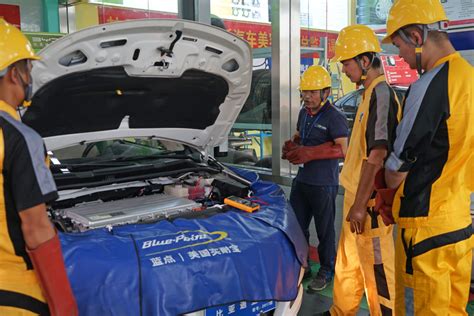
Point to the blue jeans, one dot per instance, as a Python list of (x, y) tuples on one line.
[(310, 201)]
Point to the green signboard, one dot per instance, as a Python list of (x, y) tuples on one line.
[(41, 40)]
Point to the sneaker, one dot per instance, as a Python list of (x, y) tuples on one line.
[(319, 283)]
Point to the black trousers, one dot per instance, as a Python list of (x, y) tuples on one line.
[(316, 201)]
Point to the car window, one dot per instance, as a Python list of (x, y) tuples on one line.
[(116, 148)]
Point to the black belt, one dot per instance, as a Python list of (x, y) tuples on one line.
[(431, 243), (23, 301)]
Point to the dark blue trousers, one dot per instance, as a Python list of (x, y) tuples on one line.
[(316, 201)]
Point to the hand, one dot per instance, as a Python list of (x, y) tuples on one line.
[(304, 154), (384, 198), (296, 139), (298, 155), (383, 204), (287, 146), (357, 216)]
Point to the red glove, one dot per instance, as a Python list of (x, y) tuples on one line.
[(384, 198), (288, 146), (303, 154), (49, 268)]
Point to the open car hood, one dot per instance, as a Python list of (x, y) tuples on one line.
[(170, 79)]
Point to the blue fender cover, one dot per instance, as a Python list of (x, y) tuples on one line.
[(171, 268)]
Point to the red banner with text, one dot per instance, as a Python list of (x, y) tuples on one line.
[(259, 35)]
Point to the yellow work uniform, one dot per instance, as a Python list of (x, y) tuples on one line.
[(25, 182), (365, 262), (435, 145)]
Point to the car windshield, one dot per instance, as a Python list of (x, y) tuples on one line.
[(116, 152)]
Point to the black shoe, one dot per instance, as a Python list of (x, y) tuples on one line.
[(326, 313), (319, 283)]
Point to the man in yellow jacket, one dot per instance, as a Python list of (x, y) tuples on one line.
[(430, 172), (365, 255), (33, 279)]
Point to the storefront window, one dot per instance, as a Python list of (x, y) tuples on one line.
[(79, 15), (250, 142)]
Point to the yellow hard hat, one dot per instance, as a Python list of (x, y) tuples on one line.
[(354, 40), (407, 12), (14, 46), (315, 78)]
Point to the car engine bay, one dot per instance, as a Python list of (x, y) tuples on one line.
[(190, 195)]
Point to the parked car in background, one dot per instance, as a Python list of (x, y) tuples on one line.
[(349, 103), (129, 112)]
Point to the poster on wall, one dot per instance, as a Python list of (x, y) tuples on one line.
[(397, 71), (243, 10), (11, 14), (373, 13), (460, 12)]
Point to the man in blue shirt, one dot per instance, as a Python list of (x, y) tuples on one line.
[(320, 139)]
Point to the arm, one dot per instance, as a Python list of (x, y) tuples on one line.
[(422, 117), (358, 212), (44, 250), (342, 141), (381, 123), (32, 185), (338, 132), (304, 154), (36, 226), (393, 179)]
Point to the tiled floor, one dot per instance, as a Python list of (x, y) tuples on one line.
[(314, 303)]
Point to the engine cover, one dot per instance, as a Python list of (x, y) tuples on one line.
[(127, 211)]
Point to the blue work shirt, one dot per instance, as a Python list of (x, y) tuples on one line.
[(326, 125)]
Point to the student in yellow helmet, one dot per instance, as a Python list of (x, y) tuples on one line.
[(33, 279), (365, 254), (430, 172), (320, 139)]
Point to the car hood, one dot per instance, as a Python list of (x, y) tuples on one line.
[(170, 79)]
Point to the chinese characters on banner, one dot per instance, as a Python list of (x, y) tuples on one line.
[(184, 256), (242, 308), (11, 14), (259, 35)]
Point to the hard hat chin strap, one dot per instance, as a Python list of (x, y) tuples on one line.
[(418, 47), (4, 71), (440, 26), (358, 59), (321, 94)]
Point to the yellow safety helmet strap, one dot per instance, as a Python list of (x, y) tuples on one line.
[(321, 95), (418, 47), (358, 60), (440, 26)]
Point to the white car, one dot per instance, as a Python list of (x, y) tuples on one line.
[(129, 112)]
